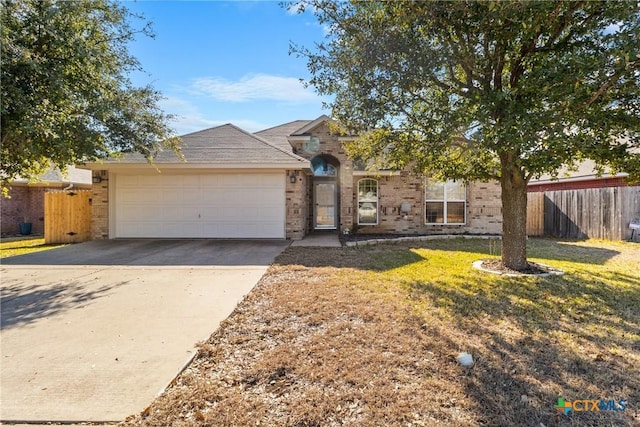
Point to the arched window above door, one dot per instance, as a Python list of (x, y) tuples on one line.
[(323, 168)]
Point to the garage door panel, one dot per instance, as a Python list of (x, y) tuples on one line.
[(188, 195), (164, 197), (128, 195), (128, 229), (191, 180), (130, 211), (169, 181), (209, 181), (203, 205), (215, 196), (134, 196), (172, 214), (250, 229), (250, 181), (125, 181), (225, 196), (194, 230), (267, 212), (190, 213), (228, 213), (148, 181), (266, 199), (218, 213), (229, 180), (152, 216)]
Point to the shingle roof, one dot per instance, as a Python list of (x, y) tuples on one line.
[(54, 176), (222, 144), (277, 135), (586, 169)]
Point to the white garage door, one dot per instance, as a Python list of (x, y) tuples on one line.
[(208, 205)]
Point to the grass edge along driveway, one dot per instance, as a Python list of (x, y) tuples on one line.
[(20, 246), (369, 336)]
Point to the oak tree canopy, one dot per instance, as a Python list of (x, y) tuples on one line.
[(66, 92), (504, 90)]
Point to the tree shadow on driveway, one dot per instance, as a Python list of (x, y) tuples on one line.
[(21, 305)]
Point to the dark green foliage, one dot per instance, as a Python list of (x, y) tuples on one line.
[(505, 90), (66, 94)]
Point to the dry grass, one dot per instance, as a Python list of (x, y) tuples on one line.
[(368, 337)]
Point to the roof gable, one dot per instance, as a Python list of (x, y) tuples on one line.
[(54, 176), (277, 135), (311, 125)]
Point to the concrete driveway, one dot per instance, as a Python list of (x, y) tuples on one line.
[(94, 331)]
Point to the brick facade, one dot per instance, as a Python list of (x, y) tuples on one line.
[(100, 206), (297, 206), (483, 210), (26, 204)]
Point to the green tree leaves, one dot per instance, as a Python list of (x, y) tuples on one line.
[(66, 94), (505, 90), (518, 77)]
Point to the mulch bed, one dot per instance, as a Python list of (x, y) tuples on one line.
[(495, 265)]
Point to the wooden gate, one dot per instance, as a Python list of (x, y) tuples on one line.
[(67, 216)]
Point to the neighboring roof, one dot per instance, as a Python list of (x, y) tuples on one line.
[(55, 177), (277, 135), (226, 144), (586, 171)]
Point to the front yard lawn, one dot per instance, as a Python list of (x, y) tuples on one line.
[(12, 247), (369, 337)]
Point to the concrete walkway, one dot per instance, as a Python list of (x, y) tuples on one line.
[(93, 332), (319, 240)]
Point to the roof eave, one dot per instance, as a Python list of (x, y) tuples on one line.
[(294, 164), (578, 178)]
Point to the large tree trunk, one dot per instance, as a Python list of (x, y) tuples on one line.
[(514, 217)]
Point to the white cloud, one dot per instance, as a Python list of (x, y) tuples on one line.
[(185, 124), (326, 28), (188, 118), (188, 124), (254, 87), (172, 105)]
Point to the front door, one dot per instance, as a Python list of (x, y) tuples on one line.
[(324, 210)]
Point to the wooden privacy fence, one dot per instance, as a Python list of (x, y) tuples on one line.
[(535, 214), (67, 216), (601, 213)]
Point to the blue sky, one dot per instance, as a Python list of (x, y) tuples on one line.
[(221, 62)]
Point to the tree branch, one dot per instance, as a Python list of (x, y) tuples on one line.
[(462, 58), (517, 70), (499, 68), (610, 82)]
